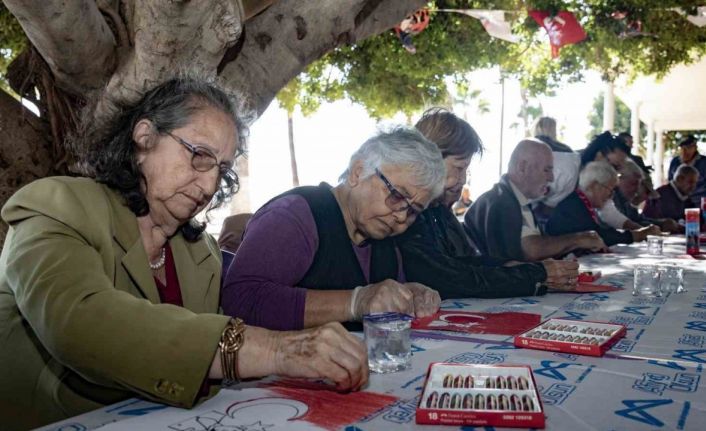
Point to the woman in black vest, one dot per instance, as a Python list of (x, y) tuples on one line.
[(319, 254)]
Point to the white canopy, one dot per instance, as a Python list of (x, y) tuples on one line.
[(676, 102)]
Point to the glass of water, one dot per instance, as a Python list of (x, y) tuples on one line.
[(646, 281), (655, 245), (672, 279), (388, 342)]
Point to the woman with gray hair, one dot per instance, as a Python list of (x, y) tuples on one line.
[(578, 211), (322, 254)]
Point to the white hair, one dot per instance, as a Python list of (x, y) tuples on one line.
[(596, 172), (630, 168), (685, 170), (406, 147)]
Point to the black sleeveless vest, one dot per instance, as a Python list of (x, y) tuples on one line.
[(335, 265)]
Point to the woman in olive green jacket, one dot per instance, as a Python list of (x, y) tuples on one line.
[(109, 288)]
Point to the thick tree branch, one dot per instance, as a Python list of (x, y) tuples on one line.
[(25, 152), (284, 39), (170, 36), (72, 37)]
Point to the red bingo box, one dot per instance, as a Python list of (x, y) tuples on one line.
[(571, 336), (480, 395)]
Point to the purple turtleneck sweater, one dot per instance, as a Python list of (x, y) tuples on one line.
[(278, 248)]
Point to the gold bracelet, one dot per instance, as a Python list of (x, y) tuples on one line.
[(232, 340)]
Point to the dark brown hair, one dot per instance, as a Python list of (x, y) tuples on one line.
[(453, 136)]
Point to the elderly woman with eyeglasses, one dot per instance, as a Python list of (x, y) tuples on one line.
[(109, 288), (579, 211), (324, 254)]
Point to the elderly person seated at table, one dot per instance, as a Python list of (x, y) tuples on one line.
[(578, 213), (322, 254), (674, 197), (689, 155), (501, 222), (109, 286), (631, 178), (435, 249)]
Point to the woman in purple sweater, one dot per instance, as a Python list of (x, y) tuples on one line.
[(323, 254)]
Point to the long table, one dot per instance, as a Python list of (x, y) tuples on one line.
[(651, 379)]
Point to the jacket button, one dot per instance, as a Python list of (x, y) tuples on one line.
[(175, 389), (162, 386)]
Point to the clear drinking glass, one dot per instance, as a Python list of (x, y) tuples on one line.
[(655, 245), (388, 342), (646, 281), (672, 279)]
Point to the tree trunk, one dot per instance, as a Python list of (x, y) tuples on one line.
[(292, 154), (126, 46), (25, 151)]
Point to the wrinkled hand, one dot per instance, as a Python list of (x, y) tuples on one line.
[(670, 225), (561, 274), (387, 295), (426, 300), (642, 234), (325, 352), (591, 241)]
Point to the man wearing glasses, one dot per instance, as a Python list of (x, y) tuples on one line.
[(322, 254), (579, 211)]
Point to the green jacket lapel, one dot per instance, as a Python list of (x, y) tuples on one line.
[(196, 275), (127, 235)]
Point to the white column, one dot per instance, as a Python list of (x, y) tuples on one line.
[(659, 159), (608, 107), (635, 125), (650, 144)]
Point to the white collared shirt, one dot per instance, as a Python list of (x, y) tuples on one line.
[(529, 227)]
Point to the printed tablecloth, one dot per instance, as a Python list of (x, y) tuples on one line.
[(649, 380)]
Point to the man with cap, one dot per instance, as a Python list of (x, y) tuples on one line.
[(689, 155)]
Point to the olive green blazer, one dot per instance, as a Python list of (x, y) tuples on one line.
[(81, 324)]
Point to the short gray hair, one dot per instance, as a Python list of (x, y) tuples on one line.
[(545, 126), (685, 170), (402, 146), (596, 172), (630, 168)]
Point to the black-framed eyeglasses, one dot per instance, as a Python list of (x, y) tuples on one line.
[(396, 201), (203, 159)]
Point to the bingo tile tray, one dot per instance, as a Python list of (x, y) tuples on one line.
[(480, 395), (571, 336)]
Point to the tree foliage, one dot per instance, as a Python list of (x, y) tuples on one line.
[(379, 74), (12, 42)]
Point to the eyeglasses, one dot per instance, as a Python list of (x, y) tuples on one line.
[(396, 201), (203, 159), (611, 190)]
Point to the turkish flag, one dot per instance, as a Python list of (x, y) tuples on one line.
[(506, 323), (563, 28)]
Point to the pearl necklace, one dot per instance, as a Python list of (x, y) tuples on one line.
[(160, 262)]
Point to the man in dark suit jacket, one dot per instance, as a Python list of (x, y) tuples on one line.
[(578, 211), (501, 222), (674, 196)]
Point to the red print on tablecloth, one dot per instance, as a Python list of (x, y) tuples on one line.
[(508, 323), (326, 408)]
